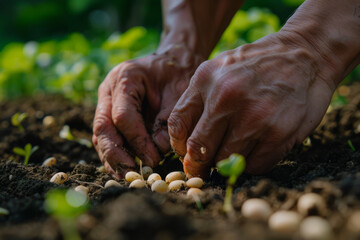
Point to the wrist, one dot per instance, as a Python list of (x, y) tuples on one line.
[(329, 30)]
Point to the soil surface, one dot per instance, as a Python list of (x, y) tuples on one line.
[(327, 166)]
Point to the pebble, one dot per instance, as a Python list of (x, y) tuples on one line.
[(177, 185), (59, 178), (112, 183), (146, 171), (315, 228), (309, 202), (152, 178), (159, 186), (256, 209), (137, 183), (195, 182), (178, 175), (284, 221), (131, 176)]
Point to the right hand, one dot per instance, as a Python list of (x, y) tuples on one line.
[(135, 97)]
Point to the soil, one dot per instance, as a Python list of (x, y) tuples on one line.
[(327, 166)]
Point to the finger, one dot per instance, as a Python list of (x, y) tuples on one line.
[(107, 141), (203, 143), (183, 118), (126, 115)]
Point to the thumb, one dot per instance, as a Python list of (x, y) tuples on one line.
[(160, 130)]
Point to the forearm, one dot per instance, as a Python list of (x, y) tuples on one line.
[(332, 30), (198, 24)]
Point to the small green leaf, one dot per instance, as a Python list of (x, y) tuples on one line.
[(34, 149), (19, 151), (15, 119), (27, 148), (232, 167)]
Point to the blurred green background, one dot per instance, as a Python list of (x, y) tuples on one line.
[(68, 46)]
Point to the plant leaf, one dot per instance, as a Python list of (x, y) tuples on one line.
[(34, 149), (19, 151), (232, 166), (27, 148), (15, 119)]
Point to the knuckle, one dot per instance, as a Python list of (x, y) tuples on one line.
[(196, 149), (119, 117), (176, 127), (100, 124)]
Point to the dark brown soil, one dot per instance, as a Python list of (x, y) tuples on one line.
[(328, 167)]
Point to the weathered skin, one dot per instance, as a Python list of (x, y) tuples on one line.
[(258, 100)]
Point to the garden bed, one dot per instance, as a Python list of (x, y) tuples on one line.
[(328, 167)]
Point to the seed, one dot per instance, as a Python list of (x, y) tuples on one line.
[(49, 162), (138, 183), (256, 209), (59, 178), (146, 171), (177, 185), (195, 182), (82, 189), (131, 176), (49, 121), (353, 224), (311, 201), (159, 186), (178, 175), (315, 228), (152, 178), (101, 169), (112, 183), (284, 221), (82, 162), (194, 192)]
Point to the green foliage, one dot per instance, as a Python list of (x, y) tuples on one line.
[(17, 119), (351, 145), (232, 167), (26, 152)]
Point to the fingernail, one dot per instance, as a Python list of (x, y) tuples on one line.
[(162, 140)]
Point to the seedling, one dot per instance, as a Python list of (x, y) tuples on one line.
[(66, 206), (351, 145), (65, 133), (232, 168), (17, 119), (26, 152)]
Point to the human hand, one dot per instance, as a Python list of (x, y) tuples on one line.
[(257, 100), (135, 97)]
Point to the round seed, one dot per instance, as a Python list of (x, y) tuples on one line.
[(256, 209), (131, 176), (82, 189), (137, 183), (49, 121), (159, 186), (284, 221), (49, 162), (176, 185), (112, 183), (194, 192), (178, 175), (146, 171), (311, 201), (152, 178), (316, 228), (195, 182), (59, 178)]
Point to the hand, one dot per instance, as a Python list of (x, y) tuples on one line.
[(257, 100), (135, 97)]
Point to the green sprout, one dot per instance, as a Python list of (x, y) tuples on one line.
[(65, 133), (66, 206), (232, 168), (26, 152), (351, 145), (17, 119)]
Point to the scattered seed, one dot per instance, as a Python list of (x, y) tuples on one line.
[(159, 186), (284, 221), (11, 177), (101, 169), (49, 121), (146, 171), (177, 185), (51, 161), (256, 209), (178, 175), (59, 178), (112, 183), (4, 211), (353, 224), (195, 182), (82, 162), (137, 183), (82, 189), (315, 228), (194, 192), (131, 176), (311, 201), (152, 178)]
